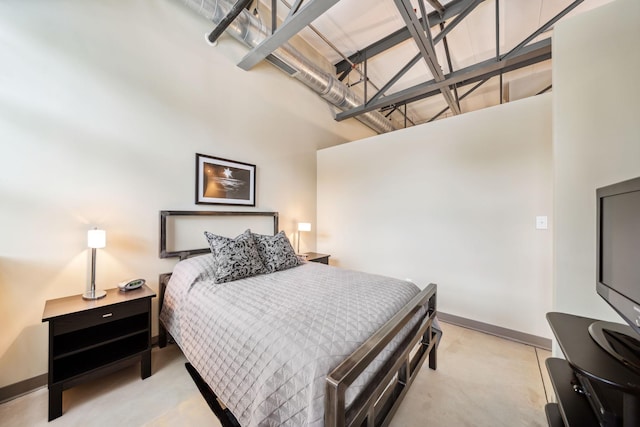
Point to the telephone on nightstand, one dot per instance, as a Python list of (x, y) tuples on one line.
[(129, 285)]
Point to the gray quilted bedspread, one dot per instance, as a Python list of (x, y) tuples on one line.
[(265, 344)]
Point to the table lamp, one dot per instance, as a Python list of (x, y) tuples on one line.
[(302, 226), (95, 239)]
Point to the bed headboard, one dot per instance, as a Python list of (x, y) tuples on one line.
[(219, 222)]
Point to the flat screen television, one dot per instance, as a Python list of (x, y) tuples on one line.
[(618, 269)]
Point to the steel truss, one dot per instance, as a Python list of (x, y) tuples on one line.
[(445, 17), (522, 55)]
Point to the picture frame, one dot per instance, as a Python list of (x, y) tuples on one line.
[(224, 182)]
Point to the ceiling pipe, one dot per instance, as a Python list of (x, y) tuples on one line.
[(227, 20), (250, 30)]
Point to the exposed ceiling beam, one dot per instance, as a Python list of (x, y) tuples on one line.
[(464, 95), (447, 54), (294, 9), (442, 35), (544, 28), (274, 16), (546, 89), (436, 5), (485, 70), (507, 55), (289, 28), (451, 10), (528, 55), (425, 46), (451, 25), (397, 77)]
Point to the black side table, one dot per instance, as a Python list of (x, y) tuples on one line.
[(316, 257), (88, 339)]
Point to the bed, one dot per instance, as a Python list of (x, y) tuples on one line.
[(308, 345)]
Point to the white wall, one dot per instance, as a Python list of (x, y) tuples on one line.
[(596, 139), (103, 105), (452, 202)]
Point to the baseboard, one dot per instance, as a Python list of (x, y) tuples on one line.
[(510, 334), (20, 388), (15, 390)]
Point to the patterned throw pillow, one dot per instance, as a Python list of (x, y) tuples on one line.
[(235, 258), (276, 252)]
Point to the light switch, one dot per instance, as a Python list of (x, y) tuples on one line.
[(541, 223)]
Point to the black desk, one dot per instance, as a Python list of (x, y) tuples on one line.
[(615, 384)]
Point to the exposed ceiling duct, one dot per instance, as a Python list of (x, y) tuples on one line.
[(250, 30)]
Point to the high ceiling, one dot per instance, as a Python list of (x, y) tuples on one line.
[(480, 60)]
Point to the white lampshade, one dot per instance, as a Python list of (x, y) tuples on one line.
[(96, 238), (304, 226)]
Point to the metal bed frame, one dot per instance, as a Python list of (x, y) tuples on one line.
[(380, 399)]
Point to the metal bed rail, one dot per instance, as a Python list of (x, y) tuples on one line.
[(380, 399)]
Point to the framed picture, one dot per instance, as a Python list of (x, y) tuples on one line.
[(224, 182)]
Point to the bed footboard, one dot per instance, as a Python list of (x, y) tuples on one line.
[(381, 397)]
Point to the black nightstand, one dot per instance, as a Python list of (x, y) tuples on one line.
[(91, 338), (316, 257)]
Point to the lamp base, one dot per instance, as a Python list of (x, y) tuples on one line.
[(96, 294)]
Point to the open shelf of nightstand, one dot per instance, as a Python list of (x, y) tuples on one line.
[(83, 340)]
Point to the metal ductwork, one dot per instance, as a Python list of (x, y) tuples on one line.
[(249, 30)]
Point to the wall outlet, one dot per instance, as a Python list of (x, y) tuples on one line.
[(541, 223)]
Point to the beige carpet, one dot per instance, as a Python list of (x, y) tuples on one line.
[(481, 381)]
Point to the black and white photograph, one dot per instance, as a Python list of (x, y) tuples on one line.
[(224, 182)]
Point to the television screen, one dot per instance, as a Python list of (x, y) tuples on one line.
[(619, 249)]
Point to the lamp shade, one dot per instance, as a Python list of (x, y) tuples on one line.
[(304, 226), (96, 238)]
